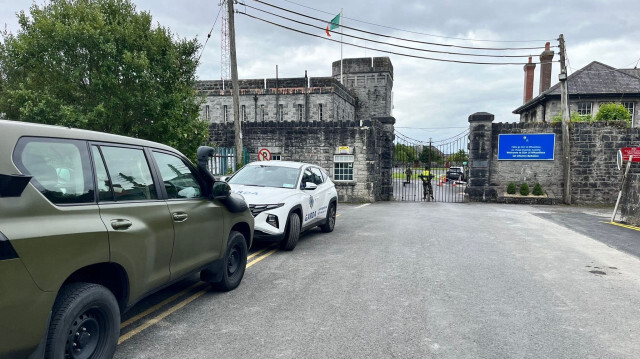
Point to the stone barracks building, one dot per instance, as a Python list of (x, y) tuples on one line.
[(345, 127)]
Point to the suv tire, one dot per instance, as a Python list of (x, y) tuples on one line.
[(85, 323), (234, 263), (331, 219), (293, 232)]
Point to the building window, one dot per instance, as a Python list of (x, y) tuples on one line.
[(244, 113), (281, 112), (343, 167), (584, 108), (207, 114), (275, 157), (320, 112), (630, 107), (225, 113), (262, 112), (300, 112)]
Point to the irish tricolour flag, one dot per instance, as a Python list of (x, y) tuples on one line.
[(334, 24)]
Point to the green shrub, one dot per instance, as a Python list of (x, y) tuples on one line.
[(537, 190), (524, 189), (575, 117), (511, 188), (613, 112)]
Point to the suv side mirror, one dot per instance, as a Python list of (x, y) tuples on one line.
[(221, 190), (310, 186)]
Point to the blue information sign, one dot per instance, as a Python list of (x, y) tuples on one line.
[(526, 146)]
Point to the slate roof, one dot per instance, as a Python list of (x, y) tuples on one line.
[(594, 79)]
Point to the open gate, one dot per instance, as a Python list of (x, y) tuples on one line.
[(441, 166)]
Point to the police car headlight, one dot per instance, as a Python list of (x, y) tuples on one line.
[(256, 209), (272, 219)]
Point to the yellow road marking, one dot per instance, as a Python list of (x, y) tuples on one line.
[(172, 298), (256, 253), (624, 226), (262, 257), (158, 318), (179, 305), (158, 306)]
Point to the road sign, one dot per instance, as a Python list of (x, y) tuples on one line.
[(264, 155), (526, 147), (619, 160), (630, 151)]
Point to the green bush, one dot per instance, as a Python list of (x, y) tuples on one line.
[(511, 188), (537, 190), (613, 112), (524, 189), (575, 117)]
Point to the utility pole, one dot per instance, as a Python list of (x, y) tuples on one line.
[(234, 83), (564, 104)]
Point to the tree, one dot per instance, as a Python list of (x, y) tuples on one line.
[(613, 112), (404, 153), (430, 155), (460, 157), (101, 65)]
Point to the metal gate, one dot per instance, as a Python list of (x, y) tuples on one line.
[(437, 166), (223, 162)]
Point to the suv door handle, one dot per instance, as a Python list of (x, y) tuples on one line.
[(120, 224), (180, 216)]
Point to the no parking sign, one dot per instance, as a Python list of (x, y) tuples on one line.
[(264, 155)]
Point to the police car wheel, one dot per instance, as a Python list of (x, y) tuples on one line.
[(331, 219), (293, 232)]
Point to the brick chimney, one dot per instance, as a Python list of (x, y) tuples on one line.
[(529, 73), (545, 68)]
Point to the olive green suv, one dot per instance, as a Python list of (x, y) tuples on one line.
[(90, 223)]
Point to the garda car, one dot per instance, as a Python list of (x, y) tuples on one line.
[(286, 198), (91, 223)]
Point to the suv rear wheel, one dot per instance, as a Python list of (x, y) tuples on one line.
[(331, 219), (293, 232), (85, 323)]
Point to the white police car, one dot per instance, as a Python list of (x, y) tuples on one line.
[(286, 198)]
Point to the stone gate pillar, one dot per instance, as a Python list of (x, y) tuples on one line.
[(480, 153)]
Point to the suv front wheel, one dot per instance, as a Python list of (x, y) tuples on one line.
[(234, 261), (85, 323)]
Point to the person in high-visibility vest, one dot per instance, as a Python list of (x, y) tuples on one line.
[(426, 177)]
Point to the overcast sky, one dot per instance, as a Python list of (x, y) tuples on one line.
[(432, 99)]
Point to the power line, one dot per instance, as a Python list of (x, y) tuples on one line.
[(416, 32), (384, 51), (400, 38), (386, 43), (457, 137), (432, 128), (209, 34)]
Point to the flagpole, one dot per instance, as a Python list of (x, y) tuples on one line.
[(341, 46)]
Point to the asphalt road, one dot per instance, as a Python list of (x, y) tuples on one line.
[(417, 280)]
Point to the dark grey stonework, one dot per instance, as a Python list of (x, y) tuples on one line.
[(318, 116), (630, 204), (480, 148), (317, 142), (371, 80), (595, 178)]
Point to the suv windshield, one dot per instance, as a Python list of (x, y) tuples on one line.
[(267, 176)]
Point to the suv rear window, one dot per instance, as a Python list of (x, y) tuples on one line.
[(60, 168)]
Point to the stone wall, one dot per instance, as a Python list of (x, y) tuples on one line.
[(630, 203), (595, 178), (260, 100), (371, 79), (370, 141)]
